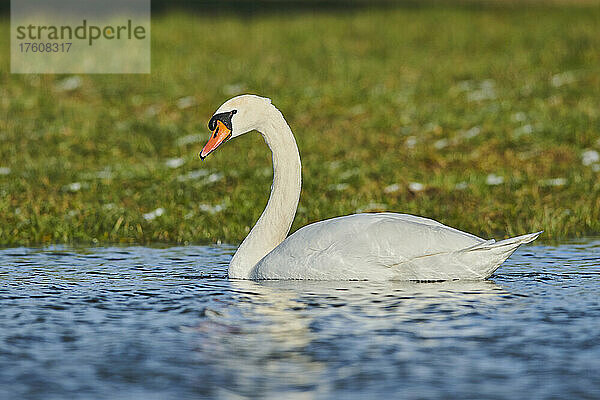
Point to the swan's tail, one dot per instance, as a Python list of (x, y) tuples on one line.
[(491, 254), (476, 262)]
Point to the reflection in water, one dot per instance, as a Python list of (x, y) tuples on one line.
[(166, 323), (290, 331)]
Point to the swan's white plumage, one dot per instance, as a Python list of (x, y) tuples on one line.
[(382, 246)]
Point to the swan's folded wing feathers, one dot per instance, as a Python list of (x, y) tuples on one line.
[(362, 246)]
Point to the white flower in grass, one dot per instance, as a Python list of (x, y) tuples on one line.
[(152, 110), (349, 173), (523, 130), (333, 165), (464, 86), (154, 214), (5, 171), (394, 187), (471, 133), (493, 180), (106, 173), (338, 186), (174, 162), (554, 182), (217, 176), (69, 84), (519, 116), (186, 102), (73, 187), (440, 144), (589, 157), (233, 89), (207, 208), (416, 187), (461, 185), (564, 78), (195, 174), (411, 142), (486, 91)]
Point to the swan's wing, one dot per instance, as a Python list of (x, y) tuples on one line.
[(363, 246)]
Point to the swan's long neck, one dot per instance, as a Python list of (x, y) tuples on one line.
[(276, 220)]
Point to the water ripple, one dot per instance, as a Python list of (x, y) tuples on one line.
[(166, 323)]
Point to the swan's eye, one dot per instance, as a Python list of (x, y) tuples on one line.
[(224, 118)]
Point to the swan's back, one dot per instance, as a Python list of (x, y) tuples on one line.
[(383, 246)]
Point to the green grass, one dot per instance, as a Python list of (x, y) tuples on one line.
[(375, 98)]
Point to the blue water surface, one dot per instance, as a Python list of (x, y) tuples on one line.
[(166, 323)]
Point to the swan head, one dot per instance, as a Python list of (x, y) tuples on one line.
[(238, 115)]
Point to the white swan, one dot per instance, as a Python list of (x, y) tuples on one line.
[(382, 246)]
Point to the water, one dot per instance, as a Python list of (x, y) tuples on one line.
[(165, 323)]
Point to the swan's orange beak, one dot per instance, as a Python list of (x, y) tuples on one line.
[(219, 136)]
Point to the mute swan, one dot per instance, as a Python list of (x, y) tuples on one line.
[(381, 246)]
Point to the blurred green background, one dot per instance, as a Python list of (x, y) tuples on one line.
[(483, 116)]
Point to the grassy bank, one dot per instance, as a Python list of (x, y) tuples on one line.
[(487, 120)]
